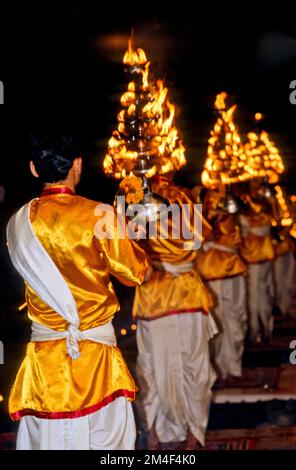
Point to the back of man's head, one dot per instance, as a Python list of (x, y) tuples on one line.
[(53, 154)]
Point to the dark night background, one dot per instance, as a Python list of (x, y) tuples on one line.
[(61, 63), (65, 63)]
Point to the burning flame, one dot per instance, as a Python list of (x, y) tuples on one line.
[(225, 160), (284, 215), (220, 101), (258, 116), (157, 116), (134, 57), (293, 231), (263, 159), (293, 215), (145, 75)]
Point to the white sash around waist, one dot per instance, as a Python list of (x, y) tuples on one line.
[(216, 246), (174, 269), (262, 231), (259, 231), (100, 334), (34, 264)]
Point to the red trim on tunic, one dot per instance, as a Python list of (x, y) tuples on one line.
[(174, 312), (259, 262), (74, 414), (243, 273), (53, 191), (283, 254)]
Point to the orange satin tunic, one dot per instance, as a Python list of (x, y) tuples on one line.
[(165, 293), (285, 245), (254, 248), (218, 264), (49, 383)]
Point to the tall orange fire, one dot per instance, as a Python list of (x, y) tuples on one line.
[(146, 138)]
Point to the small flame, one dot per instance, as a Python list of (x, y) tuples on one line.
[(225, 157), (263, 159), (284, 216), (293, 231), (220, 101), (145, 74), (131, 86), (154, 108), (131, 109), (258, 116), (127, 98), (134, 57), (228, 115)]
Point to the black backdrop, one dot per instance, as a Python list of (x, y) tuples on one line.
[(64, 63)]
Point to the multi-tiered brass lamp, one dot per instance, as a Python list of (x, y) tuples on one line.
[(146, 141)]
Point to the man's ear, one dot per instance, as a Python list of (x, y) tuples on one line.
[(33, 170)]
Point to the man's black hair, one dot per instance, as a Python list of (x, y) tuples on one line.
[(52, 154)]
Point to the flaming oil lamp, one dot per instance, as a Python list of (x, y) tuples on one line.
[(225, 162), (263, 158), (138, 138), (267, 189), (225, 159), (146, 141), (229, 203), (282, 222)]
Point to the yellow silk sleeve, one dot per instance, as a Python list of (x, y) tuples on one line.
[(124, 258)]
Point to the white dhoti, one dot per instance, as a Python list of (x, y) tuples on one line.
[(111, 428), (260, 299), (231, 317), (284, 278), (175, 374)]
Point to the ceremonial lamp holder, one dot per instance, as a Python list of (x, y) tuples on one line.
[(268, 193), (153, 205), (230, 204), (268, 190)]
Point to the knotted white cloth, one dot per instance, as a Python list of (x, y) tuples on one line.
[(101, 334), (262, 231), (174, 269), (216, 246)]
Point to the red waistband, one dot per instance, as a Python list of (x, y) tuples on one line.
[(173, 312)]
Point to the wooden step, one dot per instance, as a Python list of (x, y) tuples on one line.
[(264, 438), (282, 388)]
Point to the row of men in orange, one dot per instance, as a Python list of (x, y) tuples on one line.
[(73, 389)]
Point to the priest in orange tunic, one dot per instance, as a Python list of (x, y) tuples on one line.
[(174, 328), (73, 389), (257, 250), (220, 265), (284, 263)]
